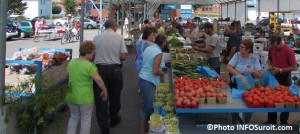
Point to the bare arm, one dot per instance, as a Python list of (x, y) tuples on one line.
[(199, 45), (97, 78), (156, 65), (256, 73), (232, 70), (231, 53), (208, 49), (123, 56)]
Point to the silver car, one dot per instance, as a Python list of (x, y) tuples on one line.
[(88, 23)]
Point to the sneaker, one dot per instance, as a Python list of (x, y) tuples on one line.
[(115, 121), (105, 130)]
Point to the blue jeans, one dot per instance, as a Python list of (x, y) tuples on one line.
[(148, 91)]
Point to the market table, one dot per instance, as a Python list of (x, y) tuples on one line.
[(232, 106)]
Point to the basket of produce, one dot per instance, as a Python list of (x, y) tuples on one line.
[(156, 123)]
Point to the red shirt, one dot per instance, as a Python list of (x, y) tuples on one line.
[(282, 57)]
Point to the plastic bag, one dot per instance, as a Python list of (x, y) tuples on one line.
[(268, 79), (188, 41), (244, 83), (237, 93), (294, 89), (207, 71)]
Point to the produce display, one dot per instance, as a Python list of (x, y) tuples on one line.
[(279, 97), (188, 68), (164, 119), (190, 93), (48, 58), (174, 42)]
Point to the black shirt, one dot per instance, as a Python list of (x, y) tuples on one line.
[(233, 41)]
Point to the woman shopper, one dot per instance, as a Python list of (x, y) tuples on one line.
[(80, 96), (147, 37), (150, 76), (241, 63)]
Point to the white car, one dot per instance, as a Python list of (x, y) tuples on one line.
[(10, 35), (206, 19), (60, 21)]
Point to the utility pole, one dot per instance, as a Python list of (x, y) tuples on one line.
[(110, 10), (3, 20), (82, 20)]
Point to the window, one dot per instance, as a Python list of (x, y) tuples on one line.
[(24, 24), (202, 8), (206, 9), (41, 11)]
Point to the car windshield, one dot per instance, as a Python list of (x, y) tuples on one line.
[(25, 24)]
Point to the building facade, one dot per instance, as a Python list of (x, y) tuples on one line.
[(37, 8)]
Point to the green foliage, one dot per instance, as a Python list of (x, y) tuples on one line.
[(16, 7), (70, 5), (56, 9), (34, 113), (39, 110)]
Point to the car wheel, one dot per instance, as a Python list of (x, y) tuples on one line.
[(9, 38), (58, 24), (89, 26)]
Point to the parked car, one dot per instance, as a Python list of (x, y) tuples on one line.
[(26, 28), (49, 25), (206, 19), (90, 24), (10, 35), (60, 21)]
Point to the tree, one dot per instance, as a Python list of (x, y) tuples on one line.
[(70, 5), (16, 7), (55, 8)]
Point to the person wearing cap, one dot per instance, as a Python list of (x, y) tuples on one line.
[(69, 22), (211, 46), (110, 51)]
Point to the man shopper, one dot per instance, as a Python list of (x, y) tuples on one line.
[(233, 44), (281, 61), (211, 46), (110, 51)]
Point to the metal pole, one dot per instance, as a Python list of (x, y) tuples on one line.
[(246, 11), (278, 12), (258, 7), (129, 19), (235, 10), (110, 10), (100, 12), (82, 20), (3, 14), (134, 14), (123, 16), (227, 10), (145, 8), (221, 14)]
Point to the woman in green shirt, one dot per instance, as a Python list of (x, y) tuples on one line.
[(80, 96)]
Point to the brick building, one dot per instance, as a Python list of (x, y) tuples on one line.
[(214, 9)]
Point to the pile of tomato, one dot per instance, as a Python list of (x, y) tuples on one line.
[(188, 91), (267, 97)]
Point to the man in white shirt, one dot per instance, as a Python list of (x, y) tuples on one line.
[(110, 51)]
